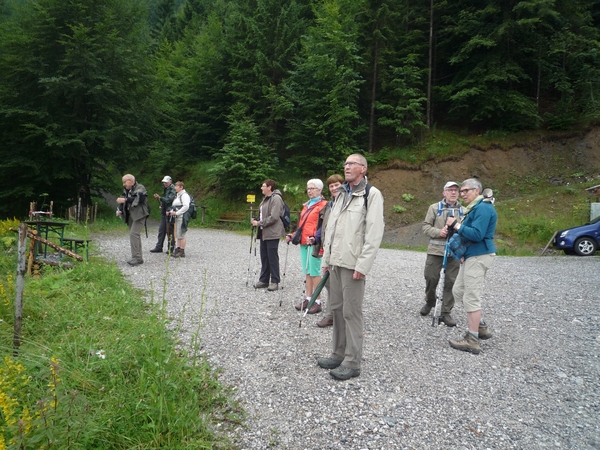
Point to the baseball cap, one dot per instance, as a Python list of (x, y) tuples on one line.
[(449, 184), (167, 178)]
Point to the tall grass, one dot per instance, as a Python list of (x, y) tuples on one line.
[(98, 368)]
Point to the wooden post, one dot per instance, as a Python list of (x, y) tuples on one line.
[(51, 206), (21, 266), (78, 214), (31, 252), (95, 212)]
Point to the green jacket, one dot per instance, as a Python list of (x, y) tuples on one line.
[(166, 200), (136, 205)]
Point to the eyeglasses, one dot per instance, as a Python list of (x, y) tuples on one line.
[(312, 189), (352, 163), (464, 191)]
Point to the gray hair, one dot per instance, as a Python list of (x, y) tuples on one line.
[(316, 182), (473, 183), (361, 158)]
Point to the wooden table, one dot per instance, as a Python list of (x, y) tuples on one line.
[(43, 228)]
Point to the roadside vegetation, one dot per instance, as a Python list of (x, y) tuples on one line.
[(99, 366)]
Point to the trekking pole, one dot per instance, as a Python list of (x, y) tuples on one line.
[(304, 290), (283, 277), (255, 260), (250, 254), (439, 292)]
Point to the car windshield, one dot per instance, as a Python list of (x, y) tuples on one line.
[(594, 220)]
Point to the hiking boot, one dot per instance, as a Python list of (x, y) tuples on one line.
[(135, 262), (181, 253), (302, 305), (325, 322), (315, 308), (344, 373), (261, 285), (469, 343), (175, 254), (156, 250), (328, 363), (448, 320), (484, 332), (273, 287), (426, 309)]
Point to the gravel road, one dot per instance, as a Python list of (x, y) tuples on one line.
[(536, 383)]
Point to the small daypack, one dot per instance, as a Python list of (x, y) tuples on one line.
[(285, 215), (192, 208)]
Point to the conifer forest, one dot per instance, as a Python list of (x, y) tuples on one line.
[(89, 88)]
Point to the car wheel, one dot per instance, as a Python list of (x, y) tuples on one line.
[(585, 246)]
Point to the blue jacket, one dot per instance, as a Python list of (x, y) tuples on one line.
[(479, 227)]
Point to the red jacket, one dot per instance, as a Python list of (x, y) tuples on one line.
[(309, 219)]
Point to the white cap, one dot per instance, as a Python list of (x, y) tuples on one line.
[(449, 184), (166, 179)]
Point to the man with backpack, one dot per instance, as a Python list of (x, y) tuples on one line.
[(434, 226), (353, 235), (270, 231)]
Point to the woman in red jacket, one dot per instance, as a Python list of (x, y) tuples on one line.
[(309, 219)]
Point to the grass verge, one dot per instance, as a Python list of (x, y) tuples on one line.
[(98, 368)]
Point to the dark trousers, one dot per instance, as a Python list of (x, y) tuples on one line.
[(165, 229), (269, 260), (433, 267)]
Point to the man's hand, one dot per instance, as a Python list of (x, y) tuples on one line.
[(121, 200), (156, 196), (444, 231), (311, 240), (254, 222), (324, 269), (357, 275)]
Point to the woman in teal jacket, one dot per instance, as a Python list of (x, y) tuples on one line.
[(478, 226)]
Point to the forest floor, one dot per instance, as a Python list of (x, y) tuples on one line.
[(510, 170)]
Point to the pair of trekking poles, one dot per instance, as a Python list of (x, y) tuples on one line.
[(317, 291), (253, 245)]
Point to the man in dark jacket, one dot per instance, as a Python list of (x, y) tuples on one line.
[(164, 228), (133, 208)]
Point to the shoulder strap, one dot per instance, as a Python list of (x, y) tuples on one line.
[(366, 195)]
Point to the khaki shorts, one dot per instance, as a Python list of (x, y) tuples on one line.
[(178, 223), (468, 286)]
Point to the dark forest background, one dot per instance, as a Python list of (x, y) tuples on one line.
[(89, 88)]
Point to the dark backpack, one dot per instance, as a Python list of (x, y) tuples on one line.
[(285, 216), (193, 209)]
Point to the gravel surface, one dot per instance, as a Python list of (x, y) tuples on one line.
[(536, 383)]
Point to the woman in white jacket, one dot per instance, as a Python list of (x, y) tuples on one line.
[(179, 208)]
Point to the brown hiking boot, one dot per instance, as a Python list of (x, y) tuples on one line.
[(448, 320), (302, 305), (175, 252), (426, 309), (469, 343), (325, 322), (315, 308), (484, 332)]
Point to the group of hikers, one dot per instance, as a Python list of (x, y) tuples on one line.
[(174, 206), (341, 237)]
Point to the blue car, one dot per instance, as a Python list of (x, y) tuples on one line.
[(583, 240)]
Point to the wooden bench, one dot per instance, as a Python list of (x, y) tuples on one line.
[(74, 244), (232, 218)]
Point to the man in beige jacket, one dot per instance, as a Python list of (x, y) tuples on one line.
[(353, 235)]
